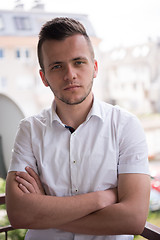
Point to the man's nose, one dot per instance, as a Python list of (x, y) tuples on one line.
[(70, 73)]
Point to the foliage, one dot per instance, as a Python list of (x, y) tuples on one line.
[(12, 235), (2, 190), (2, 185)]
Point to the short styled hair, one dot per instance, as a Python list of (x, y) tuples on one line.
[(59, 29)]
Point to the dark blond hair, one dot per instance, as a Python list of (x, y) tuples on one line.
[(59, 29)]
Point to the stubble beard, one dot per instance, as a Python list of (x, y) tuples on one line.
[(68, 101)]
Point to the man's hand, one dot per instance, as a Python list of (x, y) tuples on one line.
[(25, 197), (92, 213), (29, 181)]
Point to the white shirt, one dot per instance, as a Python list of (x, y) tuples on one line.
[(110, 142)]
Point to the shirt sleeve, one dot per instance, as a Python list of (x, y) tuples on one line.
[(133, 150), (22, 153)]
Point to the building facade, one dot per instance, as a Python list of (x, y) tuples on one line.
[(132, 77), (19, 68)]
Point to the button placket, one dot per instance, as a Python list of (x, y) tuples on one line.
[(73, 165)]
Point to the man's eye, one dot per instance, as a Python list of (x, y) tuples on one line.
[(79, 62), (56, 67)]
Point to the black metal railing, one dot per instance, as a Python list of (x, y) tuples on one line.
[(4, 229)]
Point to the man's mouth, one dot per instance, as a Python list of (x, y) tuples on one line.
[(71, 87)]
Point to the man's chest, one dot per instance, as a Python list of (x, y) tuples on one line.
[(70, 164)]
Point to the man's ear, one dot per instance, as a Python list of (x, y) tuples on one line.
[(44, 80), (95, 68)]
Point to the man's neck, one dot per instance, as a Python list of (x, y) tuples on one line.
[(74, 115)]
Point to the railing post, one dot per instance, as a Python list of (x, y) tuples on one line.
[(6, 235), (6, 228), (151, 232)]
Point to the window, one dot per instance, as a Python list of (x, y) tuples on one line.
[(22, 53), (3, 82), (18, 53), (27, 53), (22, 23), (1, 53)]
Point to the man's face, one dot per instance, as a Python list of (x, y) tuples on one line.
[(69, 69)]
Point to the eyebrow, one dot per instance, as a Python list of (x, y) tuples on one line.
[(54, 63), (80, 58), (74, 59)]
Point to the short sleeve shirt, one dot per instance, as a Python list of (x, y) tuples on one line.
[(110, 142)]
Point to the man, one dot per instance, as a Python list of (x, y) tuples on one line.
[(79, 170)]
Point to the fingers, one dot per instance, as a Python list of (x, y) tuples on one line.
[(23, 188), (31, 172), (34, 175), (29, 181), (25, 180)]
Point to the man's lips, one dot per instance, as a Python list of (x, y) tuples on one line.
[(71, 87)]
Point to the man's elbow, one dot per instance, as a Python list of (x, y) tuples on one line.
[(16, 223), (16, 220), (137, 225)]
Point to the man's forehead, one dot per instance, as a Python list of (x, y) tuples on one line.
[(60, 51), (75, 41)]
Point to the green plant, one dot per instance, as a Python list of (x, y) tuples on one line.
[(12, 235)]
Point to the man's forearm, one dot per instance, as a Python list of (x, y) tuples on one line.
[(37, 211), (115, 219), (41, 212), (128, 216), (93, 213)]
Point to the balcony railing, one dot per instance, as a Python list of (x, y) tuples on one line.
[(150, 231), (4, 229)]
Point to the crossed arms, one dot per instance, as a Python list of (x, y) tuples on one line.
[(95, 213)]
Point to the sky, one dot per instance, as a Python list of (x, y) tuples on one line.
[(116, 22)]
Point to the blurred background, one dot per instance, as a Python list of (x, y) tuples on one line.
[(126, 38)]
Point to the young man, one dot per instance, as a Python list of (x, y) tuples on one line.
[(79, 170)]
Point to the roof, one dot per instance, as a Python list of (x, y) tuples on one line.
[(28, 23)]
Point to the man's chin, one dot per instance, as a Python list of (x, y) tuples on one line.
[(72, 101)]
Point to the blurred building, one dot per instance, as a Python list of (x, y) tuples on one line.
[(128, 76), (19, 69), (132, 77)]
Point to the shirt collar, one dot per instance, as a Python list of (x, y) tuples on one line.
[(96, 110), (54, 116)]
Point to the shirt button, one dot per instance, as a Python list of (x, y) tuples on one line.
[(74, 161), (76, 190)]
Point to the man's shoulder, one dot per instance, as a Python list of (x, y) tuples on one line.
[(115, 114), (42, 118), (113, 109)]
